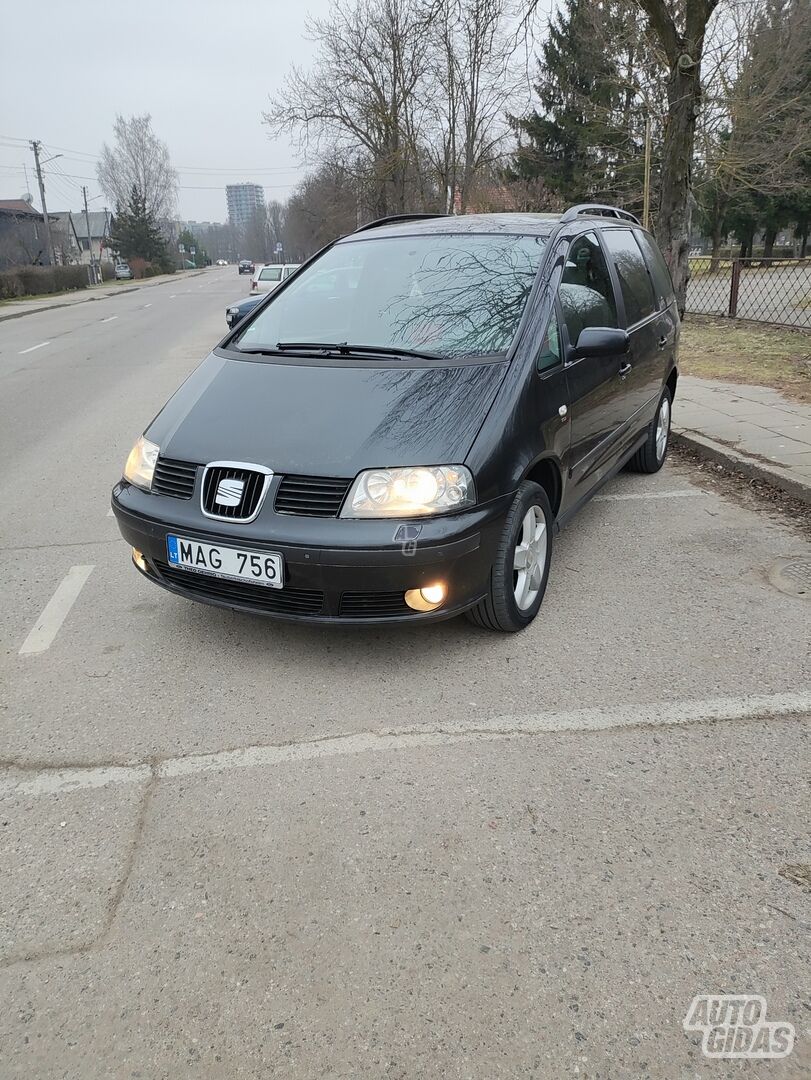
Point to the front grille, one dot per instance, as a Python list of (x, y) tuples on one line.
[(311, 496), (259, 597), (175, 478), (253, 488), (373, 605)]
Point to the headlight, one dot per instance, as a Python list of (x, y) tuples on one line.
[(232, 311), (141, 463), (411, 492)]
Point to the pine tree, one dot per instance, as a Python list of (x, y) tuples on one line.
[(585, 140), (135, 233)]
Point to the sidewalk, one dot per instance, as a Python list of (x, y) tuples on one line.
[(753, 429), (14, 309)]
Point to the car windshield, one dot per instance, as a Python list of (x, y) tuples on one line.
[(448, 295), (271, 273)]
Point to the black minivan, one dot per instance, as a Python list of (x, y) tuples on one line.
[(394, 434)]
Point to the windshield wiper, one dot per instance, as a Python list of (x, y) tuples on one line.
[(259, 350), (343, 348)]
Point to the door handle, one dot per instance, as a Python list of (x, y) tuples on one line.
[(662, 341), (625, 370)]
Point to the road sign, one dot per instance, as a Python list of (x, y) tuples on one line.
[(279, 249)]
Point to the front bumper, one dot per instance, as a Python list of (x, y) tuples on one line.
[(341, 571)]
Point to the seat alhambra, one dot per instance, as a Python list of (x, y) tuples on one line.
[(395, 433)]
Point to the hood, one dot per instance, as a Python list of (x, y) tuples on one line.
[(325, 420)]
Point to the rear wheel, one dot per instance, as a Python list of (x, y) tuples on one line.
[(521, 568), (650, 457)]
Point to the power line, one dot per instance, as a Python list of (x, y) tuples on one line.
[(83, 155)]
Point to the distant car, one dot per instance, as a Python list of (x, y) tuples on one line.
[(123, 272), (246, 266), (222, 262), (235, 312), (267, 277)]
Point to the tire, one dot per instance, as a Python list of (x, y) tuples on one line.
[(500, 609), (651, 456)]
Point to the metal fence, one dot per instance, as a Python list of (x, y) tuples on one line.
[(764, 290)]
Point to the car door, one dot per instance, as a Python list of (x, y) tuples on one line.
[(642, 315), (597, 393)]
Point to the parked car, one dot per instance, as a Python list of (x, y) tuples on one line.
[(403, 450), (123, 271), (267, 277), (245, 266), (238, 311)]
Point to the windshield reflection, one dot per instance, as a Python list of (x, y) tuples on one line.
[(453, 295)]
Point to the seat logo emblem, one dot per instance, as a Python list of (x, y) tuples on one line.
[(229, 492)]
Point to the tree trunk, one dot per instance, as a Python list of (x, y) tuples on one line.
[(768, 243), (675, 207), (715, 260), (803, 243)]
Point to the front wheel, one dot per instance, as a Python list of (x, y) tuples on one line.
[(520, 571), (650, 457)]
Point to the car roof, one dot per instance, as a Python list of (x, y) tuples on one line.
[(520, 224)]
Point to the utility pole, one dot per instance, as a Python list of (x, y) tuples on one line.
[(35, 146), (646, 187), (94, 279)]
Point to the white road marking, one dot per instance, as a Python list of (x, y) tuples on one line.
[(173, 296), (147, 305), (756, 707), (41, 345), (649, 495), (110, 318), (56, 610)]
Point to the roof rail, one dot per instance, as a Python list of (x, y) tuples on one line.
[(393, 218), (598, 210)]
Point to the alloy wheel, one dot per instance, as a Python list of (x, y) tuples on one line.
[(529, 559), (662, 428)]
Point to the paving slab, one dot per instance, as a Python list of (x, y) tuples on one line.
[(753, 429)]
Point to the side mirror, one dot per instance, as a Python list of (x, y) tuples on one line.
[(601, 341)]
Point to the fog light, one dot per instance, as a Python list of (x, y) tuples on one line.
[(139, 560), (428, 598)]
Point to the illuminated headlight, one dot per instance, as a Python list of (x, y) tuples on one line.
[(140, 465), (411, 492)]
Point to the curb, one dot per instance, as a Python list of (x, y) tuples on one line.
[(773, 475), (91, 299)]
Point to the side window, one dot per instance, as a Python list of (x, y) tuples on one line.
[(657, 266), (586, 293), (635, 282), (550, 353)]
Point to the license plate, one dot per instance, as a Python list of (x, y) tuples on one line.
[(237, 564)]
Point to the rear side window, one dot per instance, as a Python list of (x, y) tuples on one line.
[(635, 282), (657, 266), (271, 273)]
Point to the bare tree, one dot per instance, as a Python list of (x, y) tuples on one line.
[(138, 159), (467, 89), (679, 27), (754, 134), (352, 102)]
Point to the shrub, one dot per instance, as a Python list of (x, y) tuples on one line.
[(35, 280)]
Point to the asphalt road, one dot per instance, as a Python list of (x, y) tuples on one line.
[(235, 848)]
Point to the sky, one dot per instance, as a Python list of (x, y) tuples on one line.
[(204, 69)]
